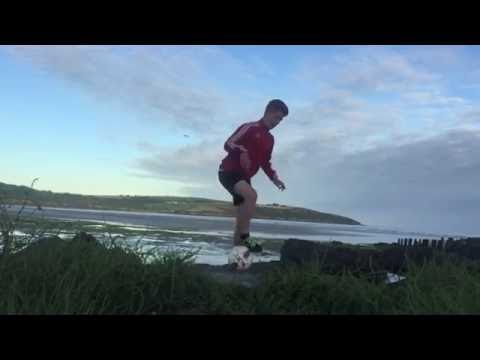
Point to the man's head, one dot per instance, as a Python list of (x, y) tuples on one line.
[(275, 111)]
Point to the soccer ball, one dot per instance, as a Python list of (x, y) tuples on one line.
[(240, 258)]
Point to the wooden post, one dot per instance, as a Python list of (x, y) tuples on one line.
[(441, 244)]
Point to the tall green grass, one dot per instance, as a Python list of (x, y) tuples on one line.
[(62, 277)]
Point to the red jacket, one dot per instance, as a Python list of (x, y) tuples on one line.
[(255, 138)]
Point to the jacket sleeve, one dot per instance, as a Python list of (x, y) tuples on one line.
[(267, 166), (232, 144)]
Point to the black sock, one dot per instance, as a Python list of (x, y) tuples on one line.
[(245, 236)]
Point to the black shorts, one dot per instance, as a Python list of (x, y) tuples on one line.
[(228, 180)]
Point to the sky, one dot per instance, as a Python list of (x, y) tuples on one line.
[(387, 135)]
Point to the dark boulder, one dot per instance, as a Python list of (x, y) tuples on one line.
[(85, 238), (225, 274), (468, 248), (43, 247), (336, 257)]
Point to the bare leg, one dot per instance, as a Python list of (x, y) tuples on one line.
[(246, 210), (236, 233)]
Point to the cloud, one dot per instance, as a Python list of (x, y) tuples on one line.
[(342, 120), (473, 116), (432, 98), (146, 146), (380, 69), (199, 162), (164, 83), (192, 164), (261, 66), (365, 69), (338, 147), (436, 56), (411, 185), (372, 95), (380, 137), (342, 153), (475, 75), (414, 186)]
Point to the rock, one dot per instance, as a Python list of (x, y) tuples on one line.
[(335, 257), (300, 251), (329, 256), (87, 243), (49, 241), (84, 237), (42, 247), (82, 245), (250, 278), (468, 248), (396, 259)]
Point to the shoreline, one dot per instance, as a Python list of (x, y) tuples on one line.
[(183, 214)]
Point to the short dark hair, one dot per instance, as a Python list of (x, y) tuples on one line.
[(275, 105)]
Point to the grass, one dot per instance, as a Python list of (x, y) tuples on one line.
[(61, 277)]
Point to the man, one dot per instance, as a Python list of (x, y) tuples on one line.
[(249, 148)]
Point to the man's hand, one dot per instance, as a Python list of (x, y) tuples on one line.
[(245, 161), (279, 183)]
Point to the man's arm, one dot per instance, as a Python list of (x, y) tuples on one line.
[(232, 144), (272, 174), (267, 167)]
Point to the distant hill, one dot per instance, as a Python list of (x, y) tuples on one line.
[(13, 194)]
